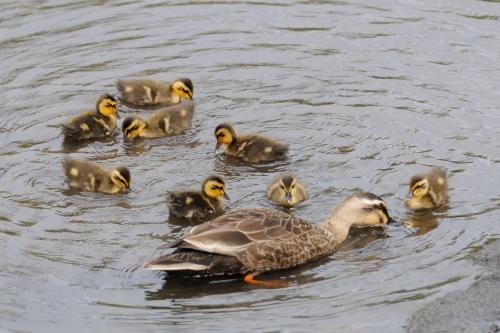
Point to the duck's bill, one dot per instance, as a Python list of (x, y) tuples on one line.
[(225, 196), (217, 146), (391, 220), (288, 197)]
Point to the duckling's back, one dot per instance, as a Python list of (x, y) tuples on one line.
[(172, 120), (87, 125), (438, 182), (84, 175), (191, 205), (260, 148), (143, 92)]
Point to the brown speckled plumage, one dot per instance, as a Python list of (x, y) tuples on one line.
[(259, 240)]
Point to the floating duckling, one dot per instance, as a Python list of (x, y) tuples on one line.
[(93, 124), (89, 176), (146, 93), (429, 190), (252, 241), (199, 204), (286, 190), (250, 148), (172, 120)]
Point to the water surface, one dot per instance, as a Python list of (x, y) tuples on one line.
[(366, 94)]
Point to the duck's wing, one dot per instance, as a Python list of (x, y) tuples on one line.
[(234, 233)]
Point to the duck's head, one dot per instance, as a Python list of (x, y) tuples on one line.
[(225, 134), (364, 209), (214, 187), (133, 127), (288, 190), (183, 88), (418, 197), (121, 177), (107, 106)]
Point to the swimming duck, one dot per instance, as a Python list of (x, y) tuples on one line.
[(143, 92), (94, 124), (250, 148), (286, 190), (172, 120), (429, 190), (198, 204), (252, 241), (88, 176)]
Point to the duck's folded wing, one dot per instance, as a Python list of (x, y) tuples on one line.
[(234, 233)]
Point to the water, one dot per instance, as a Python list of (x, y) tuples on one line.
[(366, 94)]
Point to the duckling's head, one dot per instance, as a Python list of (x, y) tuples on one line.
[(183, 88), (363, 209), (225, 134), (288, 192), (419, 197), (107, 106), (121, 177), (214, 187), (133, 127)]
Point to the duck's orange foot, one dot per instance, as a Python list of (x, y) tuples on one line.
[(249, 278)]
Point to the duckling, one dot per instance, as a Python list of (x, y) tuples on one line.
[(93, 124), (250, 148), (198, 204), (88, 176), (428, 190), (172, 120), (143, 92), (286, 190)]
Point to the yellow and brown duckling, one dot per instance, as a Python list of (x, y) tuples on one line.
[(250, 148), (95, 124), (429, 190), (252, 241), (172, 120), (286, 190), (198, 204), (146, 93), (89, 176)]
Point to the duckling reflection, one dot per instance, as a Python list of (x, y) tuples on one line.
[(428, 190), (147, 93), (286, 190), (421, 222)]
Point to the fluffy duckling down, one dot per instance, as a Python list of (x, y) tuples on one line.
[(286, 190), (249, 148), (146, 93), (199, 204), (428, 190), (89, 176), (94, 124)]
